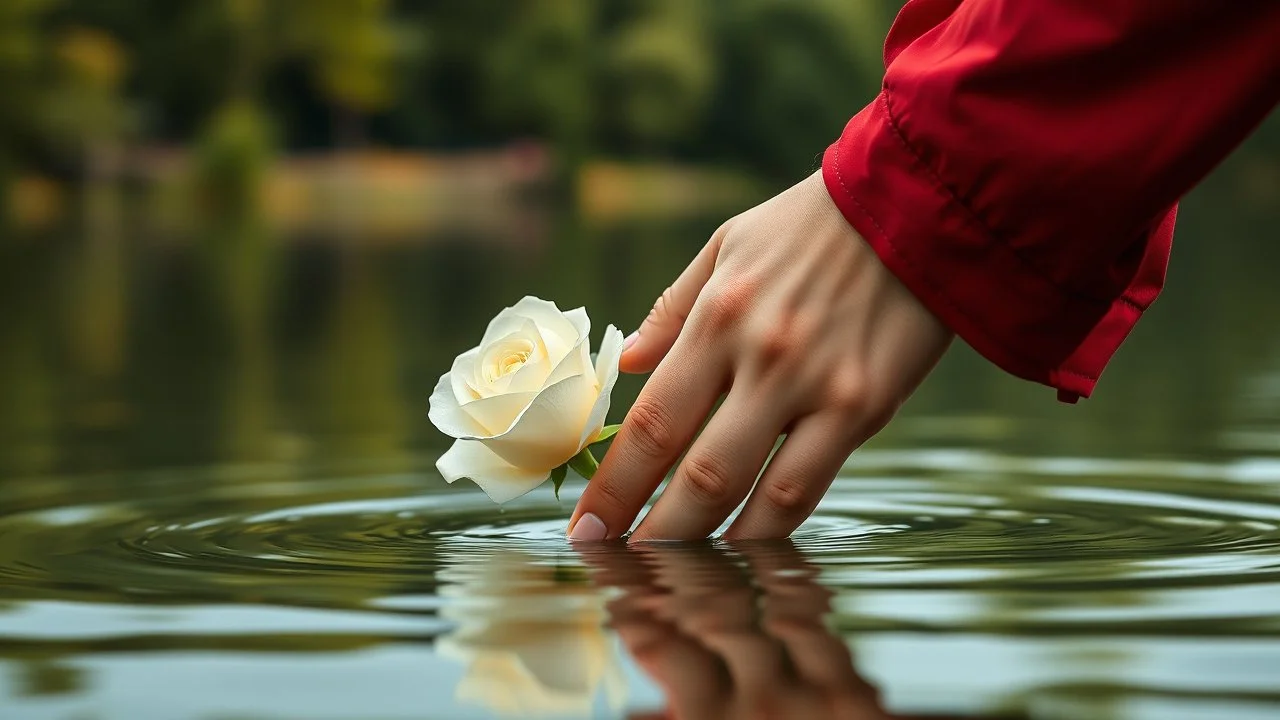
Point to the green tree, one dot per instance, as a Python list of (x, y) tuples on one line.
[(660, 72), (792, 75), (351, 47), (21, 51), (85, 114), (537, 66)]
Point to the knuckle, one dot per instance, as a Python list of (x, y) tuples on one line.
[(784, 339), (786, 495), (723, 308), (880, 415), (855, 399), (664, 309), (649, 428), (707, 480), (850, 394), (727, 304), (774, 343), (806, 324)]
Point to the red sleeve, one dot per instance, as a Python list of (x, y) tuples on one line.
[(1020, 169)]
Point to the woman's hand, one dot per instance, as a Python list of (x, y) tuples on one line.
[(789, 312)]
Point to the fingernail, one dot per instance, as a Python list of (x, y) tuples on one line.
[(589, 528), (631, 340)]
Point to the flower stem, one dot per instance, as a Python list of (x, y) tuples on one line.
[(584, 463)]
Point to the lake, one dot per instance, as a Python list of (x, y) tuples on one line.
[(218, 501)]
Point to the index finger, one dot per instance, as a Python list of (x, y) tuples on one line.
[(658, 427)]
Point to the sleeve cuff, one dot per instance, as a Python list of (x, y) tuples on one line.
[(966, 274)]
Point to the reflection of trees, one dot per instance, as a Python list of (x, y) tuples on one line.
[(28, 419), (359, 408), (50, 678), (84, 114), (20, 55), (240, 264)]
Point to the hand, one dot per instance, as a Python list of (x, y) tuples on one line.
[(792, 314)]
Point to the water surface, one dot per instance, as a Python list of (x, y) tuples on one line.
[(217, 501)]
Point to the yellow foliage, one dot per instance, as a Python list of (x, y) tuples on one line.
[(34, 202), (93, 57)]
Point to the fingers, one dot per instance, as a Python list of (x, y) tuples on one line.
[(694, 680), (820, 658), (658, 427), (756, 663), (793, 611), (617, 566), (718, 471), (705, 590), (658, 332), (796, 479)]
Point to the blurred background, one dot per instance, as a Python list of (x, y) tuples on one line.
[(258, 230), (241, 239), (248, 230)]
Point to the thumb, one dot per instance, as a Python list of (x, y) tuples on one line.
[(646, 347)]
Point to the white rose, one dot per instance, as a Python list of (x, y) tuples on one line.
[(526, 400)]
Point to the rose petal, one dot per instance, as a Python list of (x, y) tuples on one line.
[(533, 375), (500, 480), (581, 323), (543, 313), (446, 413), (463, 368), (576, 362), (549, 317), (556, 346), (606, 374), (506, 323), (546, 433), (496, 414), (561, 332), (487, 380)]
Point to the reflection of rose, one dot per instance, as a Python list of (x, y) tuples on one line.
[(526, 399), (532, 644)]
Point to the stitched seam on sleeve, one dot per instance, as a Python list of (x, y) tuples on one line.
[(977, 220), (924, 277)]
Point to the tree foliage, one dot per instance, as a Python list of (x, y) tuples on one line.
[(764, 84)]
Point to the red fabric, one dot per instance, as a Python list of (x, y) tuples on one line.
[(1020, 169)]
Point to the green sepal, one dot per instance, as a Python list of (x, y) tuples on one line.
[(584, 463), (606, 432), (557, 478)]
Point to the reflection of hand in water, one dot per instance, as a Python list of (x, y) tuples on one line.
[(732, 633)]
